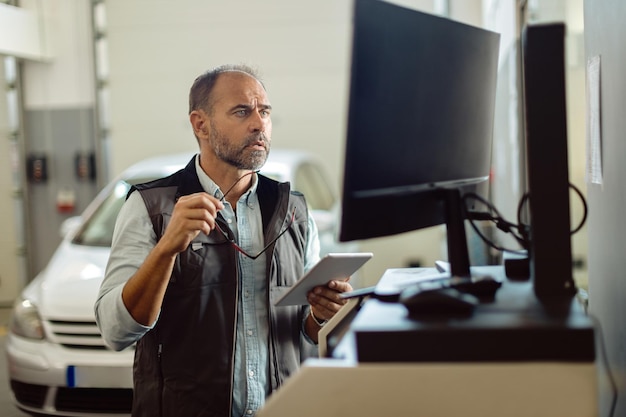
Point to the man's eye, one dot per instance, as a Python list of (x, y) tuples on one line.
[(241, 112), (265, 113)]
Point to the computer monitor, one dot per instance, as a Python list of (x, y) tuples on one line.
[(420, 122), (545, 112)]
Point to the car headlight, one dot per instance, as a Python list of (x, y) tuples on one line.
[(25, 320)]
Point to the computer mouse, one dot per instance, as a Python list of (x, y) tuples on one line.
[(484, 288), (441, 302)]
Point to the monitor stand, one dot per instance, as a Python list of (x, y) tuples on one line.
[(458, 255), (459, 291)]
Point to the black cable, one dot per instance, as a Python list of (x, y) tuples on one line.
[(521, 230), (499, 221), (583, 201), (585, 209), (520, 208), (491, 244)]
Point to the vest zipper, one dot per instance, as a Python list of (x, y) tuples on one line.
[(161, 389), (273, 350), (236, 314)]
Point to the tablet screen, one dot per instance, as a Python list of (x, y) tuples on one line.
[(330, 267)]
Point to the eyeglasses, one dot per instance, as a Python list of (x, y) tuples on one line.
[(232, 241), (243, 252)]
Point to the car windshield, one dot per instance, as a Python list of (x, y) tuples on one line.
[(98, 229)]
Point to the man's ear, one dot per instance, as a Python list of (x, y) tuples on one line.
[(199, 123)]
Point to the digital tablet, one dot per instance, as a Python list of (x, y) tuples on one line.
[(330, 267)]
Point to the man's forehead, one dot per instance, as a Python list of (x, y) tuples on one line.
[(238, 85)]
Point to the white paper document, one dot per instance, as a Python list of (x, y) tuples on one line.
[(593, 170)]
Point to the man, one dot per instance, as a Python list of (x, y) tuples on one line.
[(198, 258)]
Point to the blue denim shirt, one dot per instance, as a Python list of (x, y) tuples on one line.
[(251, 373), (251, 384), (251, 354)]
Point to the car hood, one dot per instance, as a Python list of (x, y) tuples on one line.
[(68, 287)]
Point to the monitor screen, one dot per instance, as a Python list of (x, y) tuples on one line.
[(420, 118)]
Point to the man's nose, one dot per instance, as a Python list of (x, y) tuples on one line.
[(259, 122)]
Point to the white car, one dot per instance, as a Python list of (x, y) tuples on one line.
[(58, 362)]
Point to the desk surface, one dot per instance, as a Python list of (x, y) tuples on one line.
[(515, 327)]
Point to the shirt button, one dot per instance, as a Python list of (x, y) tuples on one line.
[(229, 221), (249, 332), (249, 412), (251, 373)]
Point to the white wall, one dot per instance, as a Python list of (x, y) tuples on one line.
[(604, 37), (301, 50)]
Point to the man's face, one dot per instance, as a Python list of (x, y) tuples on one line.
[(240, 123)]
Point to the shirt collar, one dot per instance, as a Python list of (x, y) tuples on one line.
[(211, 187)]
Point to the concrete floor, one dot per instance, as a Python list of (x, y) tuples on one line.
[(7, 408)]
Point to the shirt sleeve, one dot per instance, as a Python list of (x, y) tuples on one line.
[(311, 257), (133, 239), (312, 248)]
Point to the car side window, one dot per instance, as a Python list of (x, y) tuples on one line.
[(98, 229), (310, 180)]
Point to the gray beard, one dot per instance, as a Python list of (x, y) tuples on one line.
[(240, 158)]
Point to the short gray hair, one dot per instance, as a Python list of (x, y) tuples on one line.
[(200, 92)]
